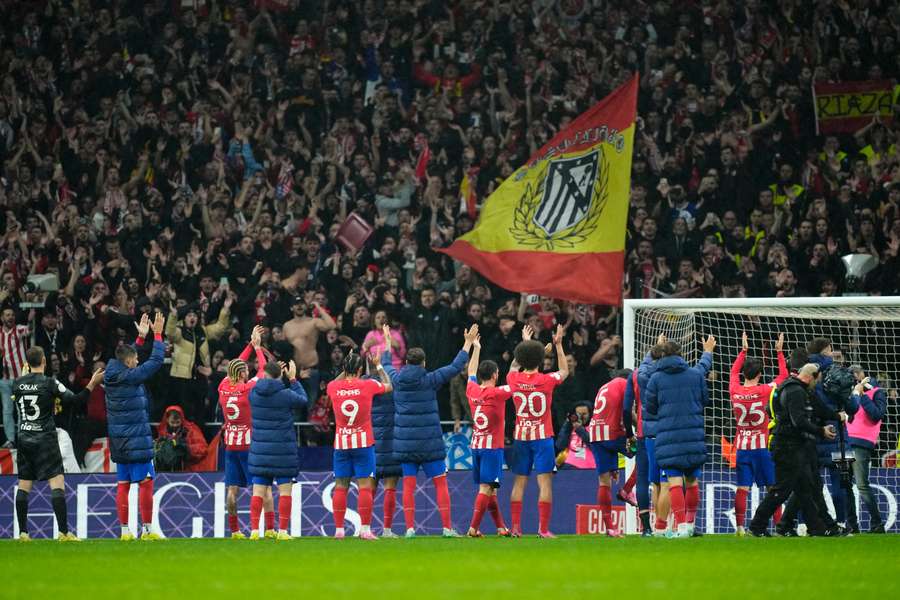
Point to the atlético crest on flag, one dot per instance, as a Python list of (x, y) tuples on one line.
[(556, 226), (565, 205)]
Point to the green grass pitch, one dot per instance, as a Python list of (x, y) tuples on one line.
[(432, 568)]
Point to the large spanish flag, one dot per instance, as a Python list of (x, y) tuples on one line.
[(556, 226)]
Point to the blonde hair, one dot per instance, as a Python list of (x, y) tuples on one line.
[(234, 369), (809, 369)]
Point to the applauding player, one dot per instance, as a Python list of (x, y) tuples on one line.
[(533, 449), (354, 445), (487, 402), (607, 434), (234, 392), (38, 458), (749, 402)]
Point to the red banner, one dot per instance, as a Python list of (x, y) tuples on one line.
[(589, 519), (848, 106)]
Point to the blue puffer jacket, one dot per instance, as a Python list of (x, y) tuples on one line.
[(648, 423), (273, 447), (383, 430), (127, 408), (417, 424), (676, 396), (824, 448)]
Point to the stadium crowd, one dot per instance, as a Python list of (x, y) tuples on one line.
[(199, 157)]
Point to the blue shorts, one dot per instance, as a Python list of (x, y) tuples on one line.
[(537, 455), (432, 469), (268, 479), (135, 472), (755, 466), (355, 462), (692, 472), (606, 454), (487, 466), (654, 473), (237, 471)]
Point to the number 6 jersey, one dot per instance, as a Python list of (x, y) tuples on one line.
[(488, 407), (532, 394)]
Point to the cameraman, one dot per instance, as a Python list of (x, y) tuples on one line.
[(573, 440), (794, 450)]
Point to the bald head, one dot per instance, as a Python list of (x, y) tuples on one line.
[(808, 373)]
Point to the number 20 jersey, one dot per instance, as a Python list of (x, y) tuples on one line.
[(532, 394), (234, 398)]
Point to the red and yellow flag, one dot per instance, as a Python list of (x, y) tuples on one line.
[(556, 226)]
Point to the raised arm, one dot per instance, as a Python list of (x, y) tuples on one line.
[(145, 371), (561, 362), (734, 379), (476, 356), (704, 365), (385, 379), (783, 371), (324, 322)]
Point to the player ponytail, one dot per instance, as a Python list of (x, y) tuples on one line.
[(235, 367), (353, 364)]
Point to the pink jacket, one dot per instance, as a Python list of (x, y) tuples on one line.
[(864, 428), (398, 355)]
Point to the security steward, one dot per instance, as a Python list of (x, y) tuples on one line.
[(793, 450)]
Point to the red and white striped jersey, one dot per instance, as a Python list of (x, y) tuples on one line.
[(606, 422), (13, 344), (750, 405), (488, 407), (234, 398), (532, 394), (351, 400)]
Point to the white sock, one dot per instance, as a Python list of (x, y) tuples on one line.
[(126, 529), (338, 531)]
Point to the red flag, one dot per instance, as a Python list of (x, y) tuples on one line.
[(421, 143)]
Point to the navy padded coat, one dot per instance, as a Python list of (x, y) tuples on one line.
[(676, 396), (418, 437), (383, 430), (127, 408), (273, 445)]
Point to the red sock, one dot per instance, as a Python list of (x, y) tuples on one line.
[(740, 507), (122, 501), (339, 506), (515, 514), (481, 503), (390, 506), (629, 483), (544, 511), (691, 502), (284, 512), (660, 524), (676, 498), (496, 515), (233, 524), (604, 499), (145, 501), (365, 506), (777, 516), (409, 501), (270, 519), (256, 506), (443, 500)]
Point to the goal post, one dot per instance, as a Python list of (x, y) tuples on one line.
[(864, 330)]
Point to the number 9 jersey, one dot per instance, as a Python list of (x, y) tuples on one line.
[(532, 394), (351, 400)]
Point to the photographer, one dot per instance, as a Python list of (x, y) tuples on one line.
[(573, 440), (794, 450)]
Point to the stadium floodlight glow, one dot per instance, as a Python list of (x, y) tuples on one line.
[(863, 330), (857, 266)]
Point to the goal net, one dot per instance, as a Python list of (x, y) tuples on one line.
[(863, 330)]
